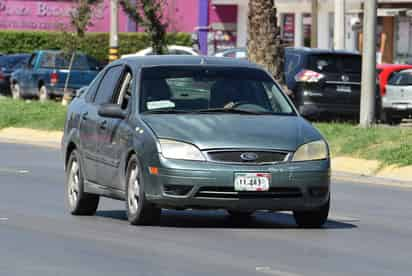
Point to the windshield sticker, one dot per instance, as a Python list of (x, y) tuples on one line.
[(160, 104)]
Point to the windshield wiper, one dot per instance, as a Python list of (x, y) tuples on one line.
[(234, 111)]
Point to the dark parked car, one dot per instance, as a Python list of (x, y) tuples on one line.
[(45, 75), (8, 64), (193, 132), (324, 81)]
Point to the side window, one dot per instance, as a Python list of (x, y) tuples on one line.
[(108, 85), (405, 79), (32, 60), (93, 86), (292, 61)]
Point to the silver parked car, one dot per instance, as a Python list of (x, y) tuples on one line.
[(397, 101)]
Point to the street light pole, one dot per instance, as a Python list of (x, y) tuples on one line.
[(314, 29), (114, 29), (339, 28), (367, 108)]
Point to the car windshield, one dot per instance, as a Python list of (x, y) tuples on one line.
[(201, 89)]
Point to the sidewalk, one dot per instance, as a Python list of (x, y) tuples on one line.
[(368, 168)]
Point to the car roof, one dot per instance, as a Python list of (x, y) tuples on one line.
[(395, 66), (182, 60), (406, 71), (308, 51)]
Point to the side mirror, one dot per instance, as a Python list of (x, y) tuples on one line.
[(81, 91), (111, 111)]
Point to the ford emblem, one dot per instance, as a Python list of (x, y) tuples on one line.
[(249, 156)]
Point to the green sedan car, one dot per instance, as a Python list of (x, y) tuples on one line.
[(183, 132)]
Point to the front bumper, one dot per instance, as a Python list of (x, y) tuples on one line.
[(206, 185)]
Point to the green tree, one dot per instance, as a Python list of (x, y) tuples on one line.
[(80, 20), (264, 42), (149, 15)]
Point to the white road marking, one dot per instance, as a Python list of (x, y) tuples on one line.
[(8, 170), (4, 219), (268, 270)]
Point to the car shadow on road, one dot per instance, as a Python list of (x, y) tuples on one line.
[(220, 219)]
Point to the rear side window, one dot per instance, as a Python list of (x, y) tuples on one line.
[(62, 61), (108, 85), (333, 63), (405, 78), (394, 79)]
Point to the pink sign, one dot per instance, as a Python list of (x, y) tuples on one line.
[(55, 15), (52, 15)]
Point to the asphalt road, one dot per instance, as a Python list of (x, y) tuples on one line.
[(369, 232)]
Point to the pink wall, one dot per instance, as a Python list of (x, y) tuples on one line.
[(54, 15)]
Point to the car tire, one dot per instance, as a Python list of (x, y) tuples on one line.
[(138, 210), (387, 117), (314, 218), (44, 94), (79, 202), (15, 91)]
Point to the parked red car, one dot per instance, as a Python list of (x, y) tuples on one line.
[(384, 72)]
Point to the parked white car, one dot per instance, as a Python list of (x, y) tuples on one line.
[(397, 101), (172, 50)]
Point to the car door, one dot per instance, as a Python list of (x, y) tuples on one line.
[(88, 131), (99, 125), (115, 134)]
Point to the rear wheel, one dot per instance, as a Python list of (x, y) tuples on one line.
[(139, 211), (80, 203), (387, 118), (15, 91), (44, 94), (314, 218)]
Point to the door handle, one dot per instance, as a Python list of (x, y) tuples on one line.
[(103, 125), (84, 115)]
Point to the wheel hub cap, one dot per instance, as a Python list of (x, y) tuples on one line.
[(134, 191), (73, 187)]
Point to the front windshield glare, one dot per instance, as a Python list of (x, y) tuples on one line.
[(177, 89)]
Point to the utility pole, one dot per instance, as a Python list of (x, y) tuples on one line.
[(339, 27), (114, 29), (314, 30), (367, 108)]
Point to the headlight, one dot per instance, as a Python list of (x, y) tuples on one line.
[(179, 150), (312, 151)]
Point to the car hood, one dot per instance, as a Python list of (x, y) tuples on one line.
[(218, 131)]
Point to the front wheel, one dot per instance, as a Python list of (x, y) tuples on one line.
[(139, 211), (80, 203), (314, 218)]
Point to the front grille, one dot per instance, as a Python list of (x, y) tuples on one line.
[(229, 192), (235, 156)]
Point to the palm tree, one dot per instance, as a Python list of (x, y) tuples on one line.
[(264, 42)]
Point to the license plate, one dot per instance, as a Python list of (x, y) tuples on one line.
[(344, 89), (252, 182)]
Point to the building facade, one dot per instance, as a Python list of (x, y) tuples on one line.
[(220, 24)]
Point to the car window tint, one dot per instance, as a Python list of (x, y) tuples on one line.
[(124, 95), (405, 78), (33, 60), (108, 85), (394, 79), (335, 63), (60, 60)]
